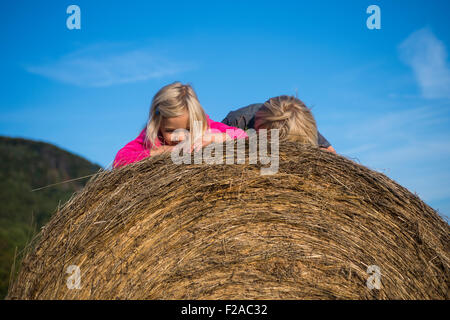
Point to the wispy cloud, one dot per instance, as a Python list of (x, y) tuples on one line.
[(404, 122), (409, 145), (427, 56), (106, 65)]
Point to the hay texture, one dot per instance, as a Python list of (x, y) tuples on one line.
[(157, 230)]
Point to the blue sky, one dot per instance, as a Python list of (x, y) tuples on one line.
[(381, 97)]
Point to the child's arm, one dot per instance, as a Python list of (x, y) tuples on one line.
[(330, 148), (232, 132), (132, 152), (218, 132), (324, 144)]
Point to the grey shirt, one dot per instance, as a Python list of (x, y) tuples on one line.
[(244, 118)]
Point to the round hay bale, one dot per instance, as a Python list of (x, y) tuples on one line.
[(323, 227)]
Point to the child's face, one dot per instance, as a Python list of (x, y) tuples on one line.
[(169, 125)]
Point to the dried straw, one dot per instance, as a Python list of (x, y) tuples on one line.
[(156, 230)]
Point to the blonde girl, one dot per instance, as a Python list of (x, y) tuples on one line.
[(175, 106)]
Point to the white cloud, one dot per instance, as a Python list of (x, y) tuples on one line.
[(410, 146), (402, 123), (106, 65), (427, 56)]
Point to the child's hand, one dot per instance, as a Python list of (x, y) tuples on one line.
[(208, 138), (330, 149)]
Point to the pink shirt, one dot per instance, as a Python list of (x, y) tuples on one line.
[(135, 150)]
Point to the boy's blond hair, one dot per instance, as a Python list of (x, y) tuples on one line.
[(290, 115), (171, 101)]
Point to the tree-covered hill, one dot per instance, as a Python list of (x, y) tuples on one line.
[(25, 166)]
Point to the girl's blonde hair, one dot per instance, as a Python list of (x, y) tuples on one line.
[(290, 115), (171, 101)]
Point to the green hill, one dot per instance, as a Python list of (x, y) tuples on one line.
[(27, 165)]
